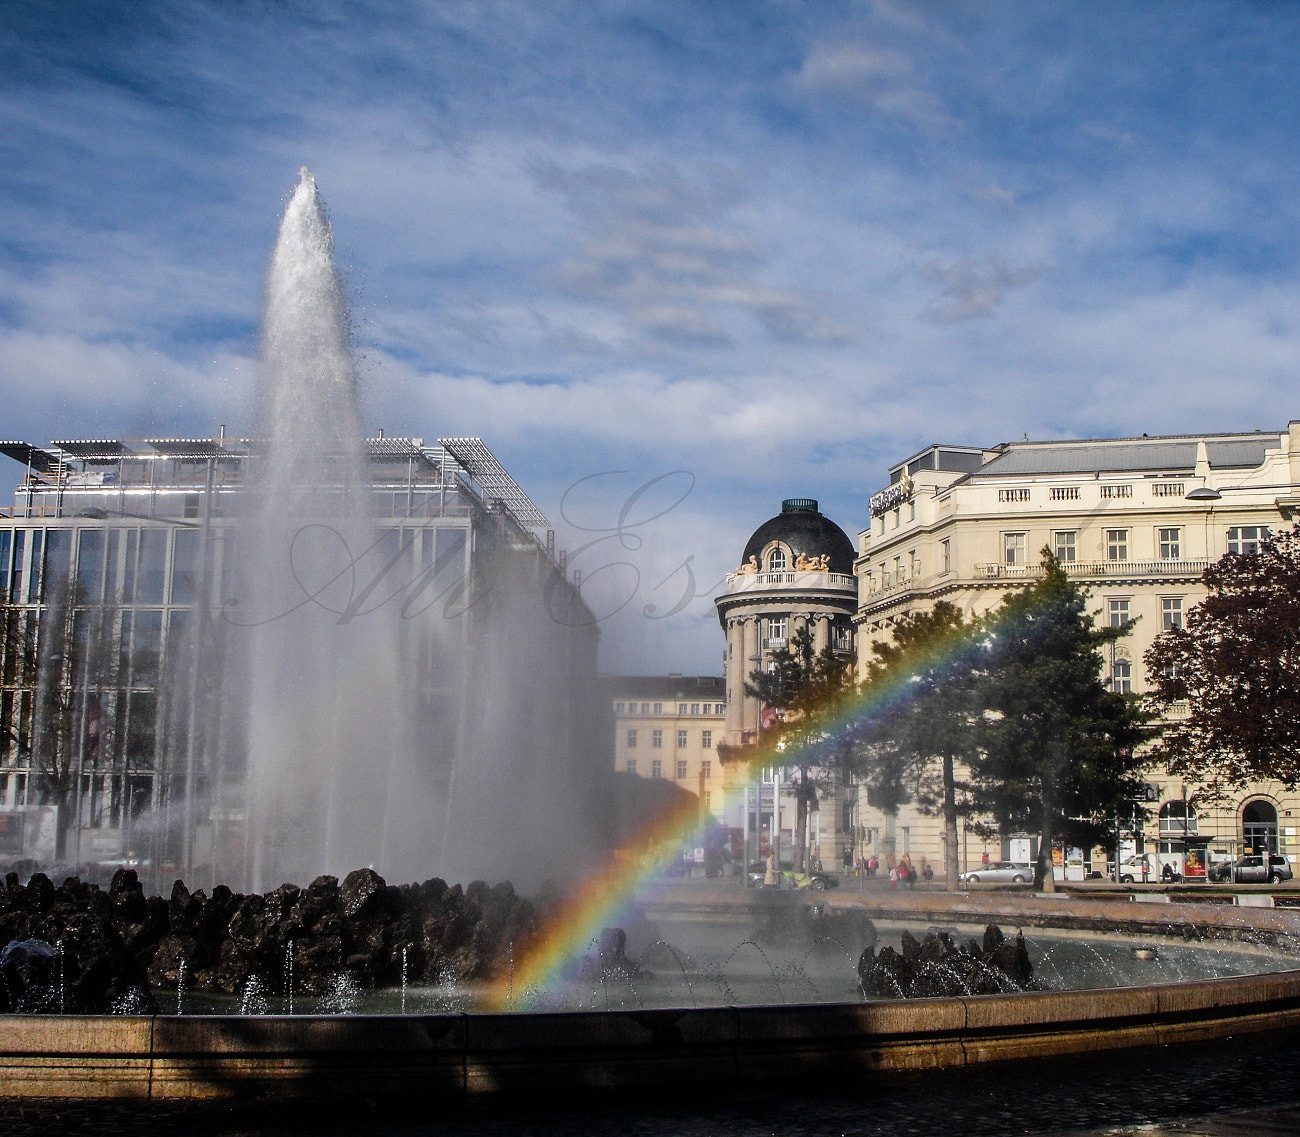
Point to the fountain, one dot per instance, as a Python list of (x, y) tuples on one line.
[(341, 771), (332, 777), (366, 718)]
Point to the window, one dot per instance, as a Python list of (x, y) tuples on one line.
[(913, 565), (1117, 611), (695, 708), (776, 629), (706, 770), (1171, 612), (681, 738), (659, 708), (1066, 542), (656, 769), (631, 765), (1246, 539), (1013, 548), (681, 768), (1177, 818), (1117, 544), (1014, 495), (945, 555), (631, 739), (708, 799), (656, 739), (645, 708), (618, 708), (1121, 677), (1114, 491), (1166, 489), (776, 561), (706, 741), (1064, 493), (898, 570), (681, 708), (1171, 544)]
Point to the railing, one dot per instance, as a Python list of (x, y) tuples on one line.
[(748, 581), (1079, 570), (1094, 569)]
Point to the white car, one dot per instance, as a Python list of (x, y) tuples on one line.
[(1000, 872)]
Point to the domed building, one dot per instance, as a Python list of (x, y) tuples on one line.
[(796, 572)]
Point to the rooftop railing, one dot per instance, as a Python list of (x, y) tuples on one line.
[(757, 581)]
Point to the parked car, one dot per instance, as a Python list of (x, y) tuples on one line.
[(815, 881), (1000, 872), (1253, 869)]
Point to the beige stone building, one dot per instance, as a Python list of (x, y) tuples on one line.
[(796, 571), (1135, 520), (669, 726)]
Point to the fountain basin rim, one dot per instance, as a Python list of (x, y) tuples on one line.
[(453, 1056)]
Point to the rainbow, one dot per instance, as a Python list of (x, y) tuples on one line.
[(573, 928)]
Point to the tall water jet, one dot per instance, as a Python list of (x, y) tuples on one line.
[(330, 781), (411, 674)]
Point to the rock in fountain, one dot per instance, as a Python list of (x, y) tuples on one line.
[(939, 967), (114, 946)]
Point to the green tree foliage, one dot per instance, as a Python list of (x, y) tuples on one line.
[(1059, 754), (1236, 664), (803, 686), (925, 728)]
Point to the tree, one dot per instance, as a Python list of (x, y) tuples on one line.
[(925, 727), (1236, 665), (51, 663), (1060, 750), (802, 688)]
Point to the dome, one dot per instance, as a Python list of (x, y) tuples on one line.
[(801, 528)]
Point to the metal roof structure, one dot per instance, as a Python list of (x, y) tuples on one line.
[(494, 483), (92, 449), (42, 461), (190, 448), (384, 449), (1126, 456)]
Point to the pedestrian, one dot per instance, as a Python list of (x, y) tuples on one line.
[(927, 871), (893, 878), (769, 875), (872, 866), (847, 859)]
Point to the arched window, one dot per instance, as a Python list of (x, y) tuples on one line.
[(776, 560), (1177, 818), (1259, 826)]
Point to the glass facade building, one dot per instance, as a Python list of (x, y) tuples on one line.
[(119, 585)]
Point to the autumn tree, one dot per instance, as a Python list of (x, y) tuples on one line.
[(1236, 666), (1059, 752), (923, 686), (802, 687)]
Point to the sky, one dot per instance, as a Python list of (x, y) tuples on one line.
[(672, 261)]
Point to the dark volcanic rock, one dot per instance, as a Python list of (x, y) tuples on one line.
[(112, 946), (938, 967)]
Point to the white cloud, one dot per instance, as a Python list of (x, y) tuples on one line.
[(880, 77)]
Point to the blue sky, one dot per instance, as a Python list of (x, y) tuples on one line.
[(734, 252)]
